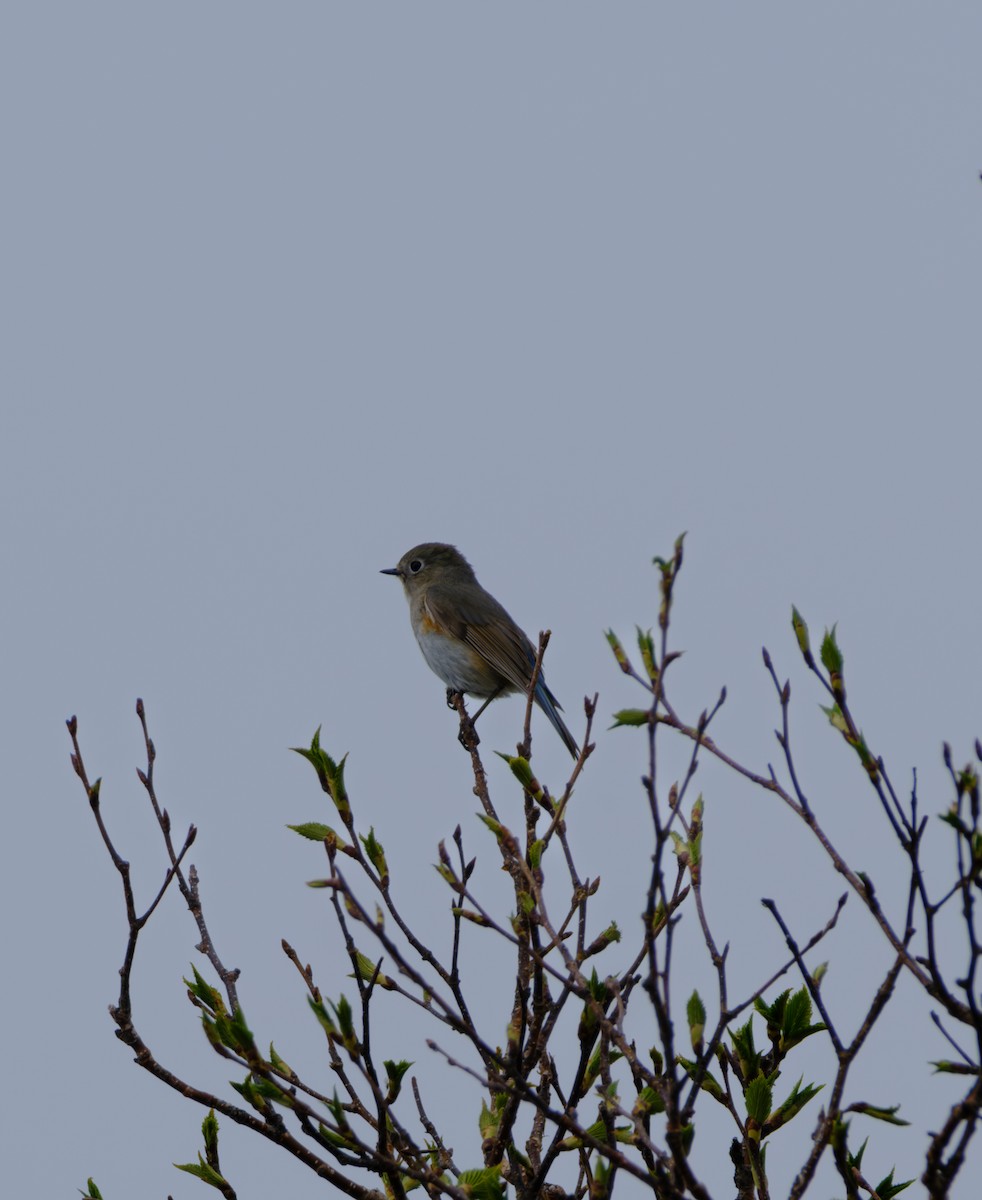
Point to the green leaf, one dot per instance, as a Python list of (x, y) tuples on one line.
[(366, 969), (708, 1082), (602, 1175), (201, 1170), (209, 996), (209, 1132), (880, 1113), (598, 1131), (342, 1141), (790, 1108), (589, 1021), (772, 1013), (758, 1098), (801, 633), (598, 988), (952, 818), (521, 768), (840, 1135), (330, 774), (279, 1064), (604, 939), (695, 855), (595, 1064), (256, 1085), (646, 644), (323, 1016), (836, 719), (314, 831), (483, 1183), (496, 827), (746, 1052), (831, 654), (376, 855), (92, 1192), (944, 1066), (336, 1109), (886, 1188), (244, 1041), (230, 1030), (622, 660), (695, 1012), (796, 1020), (631, 716), (394, 1072), (487, 1122), (345, 1018), (856, 1160), (249, 1093), (797, 1013), (648, 1103)]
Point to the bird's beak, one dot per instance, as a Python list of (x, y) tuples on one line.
[(390, 571)]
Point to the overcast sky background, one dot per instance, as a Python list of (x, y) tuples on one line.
[(289, 288)]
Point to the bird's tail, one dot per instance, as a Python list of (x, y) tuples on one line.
[(551, 707)]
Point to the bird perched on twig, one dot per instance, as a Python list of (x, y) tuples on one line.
[(467, 638)]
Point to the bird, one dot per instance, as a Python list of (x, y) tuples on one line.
[(466, 636)]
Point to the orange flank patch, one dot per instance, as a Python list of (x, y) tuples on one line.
[(428, 625)]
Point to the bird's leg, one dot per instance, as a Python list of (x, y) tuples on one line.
[(468, 734), (494, 696)]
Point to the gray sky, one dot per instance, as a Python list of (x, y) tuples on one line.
[(287, 289)]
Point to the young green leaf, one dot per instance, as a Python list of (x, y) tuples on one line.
[(831, 654), (209, 996), (366, 970), (646, 644), (622, 660), (209, 1132), (314, 830), (707, 1081), (791, 1107), (695, 1012), (746, 1052), (376, 854), (879, 1113), (631, 716), (522, 770), (801, 633), (482, 1183), (796, 1020), (886, 1189), (283, 1067), (648, 1103), (201, 1170), (394, 1071), (330, 774), (323, 1016)]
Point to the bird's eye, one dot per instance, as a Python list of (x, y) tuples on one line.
[(416, 566)]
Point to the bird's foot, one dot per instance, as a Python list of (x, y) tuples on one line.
[(468, 735)]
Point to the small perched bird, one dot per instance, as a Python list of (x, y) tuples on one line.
[(466, 637)]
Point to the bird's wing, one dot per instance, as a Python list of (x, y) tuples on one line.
[(482, 623)]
